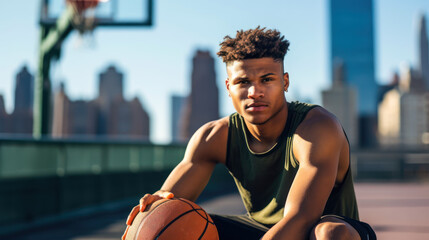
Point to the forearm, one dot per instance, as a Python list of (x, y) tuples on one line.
[(188, 180)]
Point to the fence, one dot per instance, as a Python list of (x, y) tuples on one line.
[(49, 179)]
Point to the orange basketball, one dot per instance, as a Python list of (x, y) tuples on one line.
[(172, 219)]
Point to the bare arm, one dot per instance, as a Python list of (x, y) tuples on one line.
[(317, 145), (206, 148)]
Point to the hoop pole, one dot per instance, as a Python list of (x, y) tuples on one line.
[(51, 39)]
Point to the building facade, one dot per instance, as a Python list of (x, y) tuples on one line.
[(423, 51), (352, 42), (202, 104), (178, 104), (341, 100), (110, 115), (20, 121), (4, 117), (403, 116)]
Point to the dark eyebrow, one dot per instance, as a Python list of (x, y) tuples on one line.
[(240, 79), (246, 78), (266, 75)]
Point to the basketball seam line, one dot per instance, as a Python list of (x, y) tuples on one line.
[(205, 228), (172, 221), (206, 218)]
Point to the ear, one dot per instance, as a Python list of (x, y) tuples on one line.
[(227, 86), (286, 81)]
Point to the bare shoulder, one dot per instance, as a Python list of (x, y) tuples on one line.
[(319, 136), (320, 121), (212, 131), (209, 141)]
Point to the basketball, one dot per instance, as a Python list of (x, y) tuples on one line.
[(172, 219)]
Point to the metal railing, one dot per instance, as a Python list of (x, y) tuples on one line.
[(48, 178), (26, 157)]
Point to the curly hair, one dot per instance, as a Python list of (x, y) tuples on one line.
[(254, 43)]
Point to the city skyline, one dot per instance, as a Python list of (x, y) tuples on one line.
[(109, 115), (403, 116), (156, 72)]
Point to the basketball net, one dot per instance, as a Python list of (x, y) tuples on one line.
[(84, 19)]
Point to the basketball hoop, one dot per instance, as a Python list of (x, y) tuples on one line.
[(84, 15)]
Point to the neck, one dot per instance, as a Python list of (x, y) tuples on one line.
[(265, 135)]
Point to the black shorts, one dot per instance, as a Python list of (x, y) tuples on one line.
[(243, 227), (364, 229)]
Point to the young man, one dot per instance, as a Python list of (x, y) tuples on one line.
[(290, 160)]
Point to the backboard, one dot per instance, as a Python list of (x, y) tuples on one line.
[(113, 13)]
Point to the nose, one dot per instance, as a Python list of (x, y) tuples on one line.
[(255, 92)]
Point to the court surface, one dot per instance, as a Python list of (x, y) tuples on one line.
[(397, 211)]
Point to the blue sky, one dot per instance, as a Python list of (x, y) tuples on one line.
[(156, 61)]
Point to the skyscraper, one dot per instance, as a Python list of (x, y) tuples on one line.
[(423, 51), (352, 41), (178, 105), (110, 86), (341, 99), (118, 117), (203, 102), (109, 90), (4, 117), (24, 90), (22, 116)]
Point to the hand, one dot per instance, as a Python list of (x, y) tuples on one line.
[(145, 201)]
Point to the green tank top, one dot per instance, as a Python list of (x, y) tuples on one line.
[(264, 179)]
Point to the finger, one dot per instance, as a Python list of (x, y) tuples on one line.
[(132, 215), (168, 195), (147, 200), (125, 233)]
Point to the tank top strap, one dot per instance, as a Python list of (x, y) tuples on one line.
[(297, 112)]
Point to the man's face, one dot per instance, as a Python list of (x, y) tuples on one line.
[(256, 87)]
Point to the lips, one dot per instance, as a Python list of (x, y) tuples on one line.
[(256, 106)]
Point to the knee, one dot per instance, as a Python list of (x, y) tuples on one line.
[(332, 229)]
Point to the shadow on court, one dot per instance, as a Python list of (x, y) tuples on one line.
[(395, 210)]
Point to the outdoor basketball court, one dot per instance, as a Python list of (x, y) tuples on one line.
[(397, 211)]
